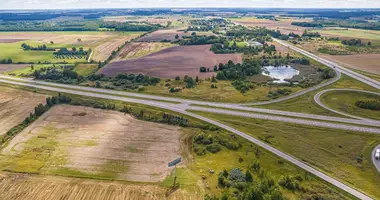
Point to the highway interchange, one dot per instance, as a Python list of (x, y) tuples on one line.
[(183, 106)]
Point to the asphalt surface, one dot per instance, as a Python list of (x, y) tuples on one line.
[(376, 162), (186, 102), (180, 108)]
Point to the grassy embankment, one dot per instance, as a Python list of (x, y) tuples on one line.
[(345, 155), (344, 101)]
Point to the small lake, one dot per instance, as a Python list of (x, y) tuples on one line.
[(280, 73)]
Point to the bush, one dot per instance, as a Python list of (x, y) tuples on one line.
[(213, 148), (371, 105), (236, 175)]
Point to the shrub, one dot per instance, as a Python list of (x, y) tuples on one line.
[(213, 148), (236, 175)]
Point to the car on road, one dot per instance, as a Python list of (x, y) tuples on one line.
[(377, 150), (377, 155)]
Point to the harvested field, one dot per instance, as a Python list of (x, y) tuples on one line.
[(365, 62), (172, 62), (88, 142), (24, 186), (11, 67), (140, 49), (283, 25), (104, 50), (162, 20), (167, 34), (15, 106)]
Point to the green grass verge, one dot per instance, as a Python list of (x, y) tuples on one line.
[(341, 154), (86, 69), (344, 101)]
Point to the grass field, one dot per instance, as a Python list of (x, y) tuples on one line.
[(86, 69), (344, 101), (28, 70), (102, 43), (224, 92), (342, 154), (353, 33), (306, 104)]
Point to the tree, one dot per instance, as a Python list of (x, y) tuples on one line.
[(32, 67), (202, 69), (51, 42), (97, 84), (196, 79), (369, 43), (215, 68), (74, 49), (79, 40), (193, 34), (177, 37), (248, 176), (220, 76), (177, 78)]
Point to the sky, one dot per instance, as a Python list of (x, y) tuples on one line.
[(64, 4)]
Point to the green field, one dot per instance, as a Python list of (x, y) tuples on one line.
[(224, 92), (341, 154), (344, 101), (353, 33), (86, 69), (86, 40), (28, 71)]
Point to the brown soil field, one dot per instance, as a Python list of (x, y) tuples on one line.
[(15, 106), (24, 186), (151, 19), (139, 49), (172, 62), (95, 142), (365, 62), (167, 34), (11, 67), (283, 25)]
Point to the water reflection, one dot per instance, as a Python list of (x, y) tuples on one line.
[(280, 73)]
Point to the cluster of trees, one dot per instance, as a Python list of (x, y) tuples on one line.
[(264, 187), (279, 92), (226, 48), (344, 23), (207, 24), (308, 24), (38, 48), (65, 74), (232, 71), (204, 143), (371, 105), (74, 53), (199, 40), (310, 34), (123, 80), (76, 25), (6, 61), (352, 42), (175, 120)]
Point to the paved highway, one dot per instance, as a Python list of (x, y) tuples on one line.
[(186, 102), (180, 108), (376, 162), (317, 99), (335, 66)]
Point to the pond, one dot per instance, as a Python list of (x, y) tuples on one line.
[(280, 73)]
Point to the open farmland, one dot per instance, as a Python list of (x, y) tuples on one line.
[(24, 186), (102, 43), (172, 62), (284, 25), (162, 20), (88, 142), (11, 67), (15, 106), (140, 49), (365, 62), (167, 34)]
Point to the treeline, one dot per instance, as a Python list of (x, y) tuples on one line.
[(352, 42), (308, 24), (76, 25), (343, 23), (43, 47), (371, 104), (200, 40), (6, 61), (38, 111)]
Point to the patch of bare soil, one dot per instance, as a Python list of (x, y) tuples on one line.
[(284, 26), (139, 49), (11, 67), (96, 141), (15, 106), (23, 186), (172, 62), (365, 62)]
